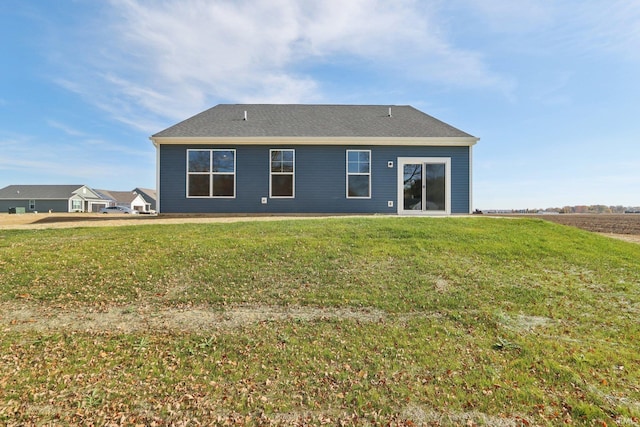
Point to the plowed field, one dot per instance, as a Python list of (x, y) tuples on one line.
[(604, 223), (621, 226)]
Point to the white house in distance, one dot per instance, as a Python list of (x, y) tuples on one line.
[(149, 196), (129, 199)]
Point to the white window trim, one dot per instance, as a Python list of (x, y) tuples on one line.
[(293, 174), (73, 205), (447, 173), (357, 174), (211, 173)]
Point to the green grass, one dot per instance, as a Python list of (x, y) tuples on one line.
[(484, 320)]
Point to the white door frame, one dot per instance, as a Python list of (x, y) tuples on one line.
[(424, 160)]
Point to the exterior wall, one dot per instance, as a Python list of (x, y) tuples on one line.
[(320, 180), (137, 204), (41, 205)]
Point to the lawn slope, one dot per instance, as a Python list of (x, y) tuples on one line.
[(438, 321)]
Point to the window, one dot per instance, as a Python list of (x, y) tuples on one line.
[(211, 173), (32, 205), (282, 173), (358, 174), (76, 205)]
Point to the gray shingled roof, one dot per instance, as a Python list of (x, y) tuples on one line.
[(41, 192), (312, 121), (118, 196), (146, 193)]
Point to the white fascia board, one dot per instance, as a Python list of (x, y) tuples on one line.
[(275, 140)]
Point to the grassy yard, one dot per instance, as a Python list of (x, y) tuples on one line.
[(406, 321)]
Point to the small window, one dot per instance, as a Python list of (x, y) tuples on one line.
[(32, 205), (211, 173), (358, 174), (282, 171)]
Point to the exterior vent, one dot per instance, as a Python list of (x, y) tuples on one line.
[(245, 115), (390, 112)]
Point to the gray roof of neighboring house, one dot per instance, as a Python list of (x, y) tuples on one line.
[(146, 193), (118, 196), (41, 192), (273, 120)]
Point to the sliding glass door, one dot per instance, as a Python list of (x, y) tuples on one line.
[(423, 185)]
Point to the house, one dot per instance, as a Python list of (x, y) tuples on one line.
[(55, 198), (275, 159), (129, 199), (149, 197)]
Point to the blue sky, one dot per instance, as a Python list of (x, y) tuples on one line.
[(551, 87)]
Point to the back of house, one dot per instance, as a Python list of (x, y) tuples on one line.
[(294, 159)]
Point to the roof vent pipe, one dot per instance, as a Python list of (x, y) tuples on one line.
[(245, 115), (390, 112)]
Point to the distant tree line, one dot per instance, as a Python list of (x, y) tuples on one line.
[(599, 209), (590, 209), (578, 209)]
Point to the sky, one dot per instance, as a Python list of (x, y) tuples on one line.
[(551, 87)]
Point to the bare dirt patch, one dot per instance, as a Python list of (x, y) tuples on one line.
[(523, 323), (19, 317)]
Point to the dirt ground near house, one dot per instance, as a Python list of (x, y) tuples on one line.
[(73, 220), (620, 226)]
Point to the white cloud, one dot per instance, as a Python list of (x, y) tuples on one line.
[(159, 61), (522, 16), (597, 26), (33, 160), (583, 27), (71, 131)]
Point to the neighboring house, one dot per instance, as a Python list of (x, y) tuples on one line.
[(314, 159), (129, 199), (55, 198), (148, 195)]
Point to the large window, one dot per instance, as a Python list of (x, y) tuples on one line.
[(282, 183), (211, 173), (359, 174)]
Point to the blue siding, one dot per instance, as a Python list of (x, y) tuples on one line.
[(320, 180)]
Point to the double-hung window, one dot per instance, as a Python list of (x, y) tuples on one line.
[(282, 171), (358, 174), (211, 173)]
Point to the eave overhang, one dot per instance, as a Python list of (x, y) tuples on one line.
[(278, 140)]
